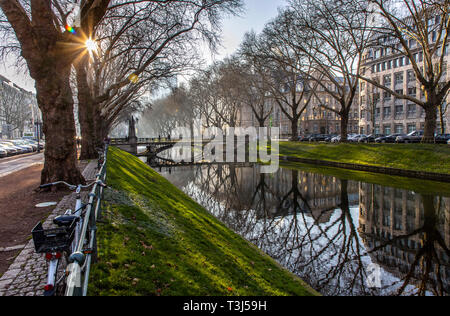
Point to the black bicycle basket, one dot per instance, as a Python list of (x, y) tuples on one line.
[(53, 239)]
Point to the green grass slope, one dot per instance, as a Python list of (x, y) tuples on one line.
[(418, 157), (155, 240)]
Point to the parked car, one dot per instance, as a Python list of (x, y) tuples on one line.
[(369, 138), (18, 149), (330, 137), (317, 138), (442, 139), (388, 139), (336, 139), (3, 153), (20, 144), (34, 142), (355, 138), (304, 138), (10, 150), (413, 137), (33, 145)]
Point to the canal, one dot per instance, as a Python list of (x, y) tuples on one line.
[(345, 233)]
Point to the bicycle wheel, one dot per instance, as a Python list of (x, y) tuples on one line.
[(61, 275)]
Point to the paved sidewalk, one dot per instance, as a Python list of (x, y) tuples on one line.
[(27, 275)]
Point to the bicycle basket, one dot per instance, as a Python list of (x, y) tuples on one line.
[(54, 239)]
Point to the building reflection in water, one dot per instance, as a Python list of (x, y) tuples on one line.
[(330, 231), (408, 235)]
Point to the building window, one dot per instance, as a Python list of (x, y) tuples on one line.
[(398, 110), (387, 80), (412, 92), (386, 111), (411, 111), (411, 128), (387, 130), (377, 130), (399, 129), (398, 78), (411, 76)]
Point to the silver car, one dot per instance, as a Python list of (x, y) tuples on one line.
[(9, 149), (24, 145)]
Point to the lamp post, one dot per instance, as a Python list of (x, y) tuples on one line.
[(38, 132)]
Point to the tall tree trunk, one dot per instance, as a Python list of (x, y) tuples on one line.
[(294, 136), (441, 118), (344, 126), (86, 113), (430, 124), (54, 97)]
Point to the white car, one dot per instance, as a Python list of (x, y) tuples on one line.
[(336, 139)]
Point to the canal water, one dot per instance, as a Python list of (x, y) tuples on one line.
[(342, 235)]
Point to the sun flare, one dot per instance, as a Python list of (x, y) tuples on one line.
[(91, 45)]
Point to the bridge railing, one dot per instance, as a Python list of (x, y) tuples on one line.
[(120, 141)]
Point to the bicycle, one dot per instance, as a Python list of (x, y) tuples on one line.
[(60, 244), (101, 157)]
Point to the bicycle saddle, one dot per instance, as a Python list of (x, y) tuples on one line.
[(65, 220)]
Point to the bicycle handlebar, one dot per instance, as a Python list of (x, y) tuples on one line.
[(71, 186)]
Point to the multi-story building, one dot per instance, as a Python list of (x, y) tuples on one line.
[(316, 119), (382, 113), (17, 119)]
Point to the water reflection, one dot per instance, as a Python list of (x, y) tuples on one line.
[(343, 237)]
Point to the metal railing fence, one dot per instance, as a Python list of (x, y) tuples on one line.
[(80, 261)]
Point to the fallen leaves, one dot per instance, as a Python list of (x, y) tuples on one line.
[(146, 247)]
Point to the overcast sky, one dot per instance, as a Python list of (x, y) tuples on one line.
[(257, 14)]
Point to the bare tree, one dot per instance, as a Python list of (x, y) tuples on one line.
[(288, 75), (443, 107), (370, 108), (137, 45), (334, 35), (49, 51), (255, 93), (417, 30), (217, 93)]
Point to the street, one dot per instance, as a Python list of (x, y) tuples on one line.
[(13, 165)]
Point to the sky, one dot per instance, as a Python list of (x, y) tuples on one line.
[(257, 14)]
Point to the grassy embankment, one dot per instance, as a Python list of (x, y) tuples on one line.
[(417, 157), (155, 240)]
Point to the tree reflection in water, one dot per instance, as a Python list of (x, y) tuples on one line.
[(330, 231)]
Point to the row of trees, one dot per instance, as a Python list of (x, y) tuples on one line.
[(104, 54), (324, 45)]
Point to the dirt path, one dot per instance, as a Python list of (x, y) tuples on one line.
[(17, 209)]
